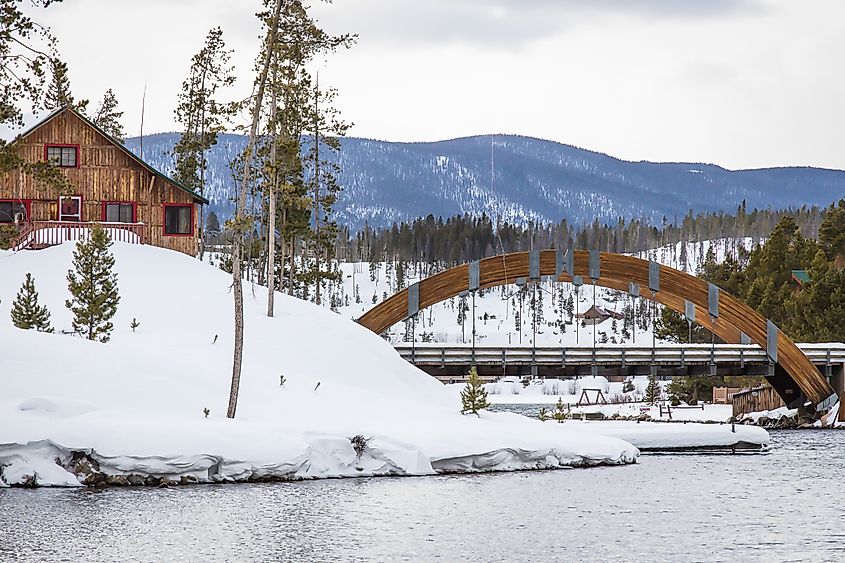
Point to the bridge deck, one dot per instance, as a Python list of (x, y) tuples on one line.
[(448, 361)]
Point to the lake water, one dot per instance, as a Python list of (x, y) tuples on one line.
[(784, 505)]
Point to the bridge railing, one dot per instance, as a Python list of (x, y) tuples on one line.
[(446, 354)]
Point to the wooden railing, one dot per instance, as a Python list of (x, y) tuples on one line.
[(41, 234)]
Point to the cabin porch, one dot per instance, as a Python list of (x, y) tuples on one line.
[(36, 235)]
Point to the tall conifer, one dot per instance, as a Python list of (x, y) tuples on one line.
[(202, 115), (107, 117), (58, 93), (93, 286)]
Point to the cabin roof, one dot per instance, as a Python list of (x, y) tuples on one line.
[(596, 312), (197, 197), (801, 276)]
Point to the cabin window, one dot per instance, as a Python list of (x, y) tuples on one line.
[(178, 220), (116, 212), (11, 209), (63, 155)]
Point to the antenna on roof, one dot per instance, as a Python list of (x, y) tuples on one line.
[(143, 104), (492, 178)]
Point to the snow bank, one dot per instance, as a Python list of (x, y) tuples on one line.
[(709, 413), (662, 436), (133, 408)]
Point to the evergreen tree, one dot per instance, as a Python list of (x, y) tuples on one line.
[(212, 224), (26, 52), (559, 414), (474, 395), (241, 224), (832, 233), (58, 94), (200, 112), (93, 287), (463, 309), (674, 327), (27, 314), (107, 117), (652, 391)]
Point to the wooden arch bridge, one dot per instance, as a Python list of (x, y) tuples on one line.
[(791, 372)]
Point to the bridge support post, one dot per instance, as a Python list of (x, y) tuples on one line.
[(837, 381)]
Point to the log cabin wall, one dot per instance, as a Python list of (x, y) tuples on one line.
[(105, 173)]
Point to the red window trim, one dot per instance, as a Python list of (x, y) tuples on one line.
[(164, 219), (81, 207), (134, 205), (62, 145), (27, 205)]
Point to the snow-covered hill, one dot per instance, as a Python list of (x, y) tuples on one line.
[(133, 408), (528, 180)]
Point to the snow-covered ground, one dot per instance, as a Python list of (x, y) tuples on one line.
[(656, 436), (512, 391), (135, 405)]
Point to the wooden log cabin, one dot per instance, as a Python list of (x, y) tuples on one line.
[(132, 200)]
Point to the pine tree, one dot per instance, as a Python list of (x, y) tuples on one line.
[(201, 114), (832, 232), (27, 314), (107, 117), (26, 52), (241, 224), (463, 308), (58, 94), (652, 391), (474, 395), (212, 224), (559, 414), (93, 287)]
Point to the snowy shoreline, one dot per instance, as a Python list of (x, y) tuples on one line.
[(134, 407)]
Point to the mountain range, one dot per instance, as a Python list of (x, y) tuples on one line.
[(520, 179)]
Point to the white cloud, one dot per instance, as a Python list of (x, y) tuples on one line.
[(741, 83)]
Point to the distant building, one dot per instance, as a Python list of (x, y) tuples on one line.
[(724, 395), (132, 200), (801, 277), (763, 398), (597, 315)]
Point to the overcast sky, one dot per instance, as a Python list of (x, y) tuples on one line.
[(740, 83)]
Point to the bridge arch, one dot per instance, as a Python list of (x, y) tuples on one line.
[(667, 286)]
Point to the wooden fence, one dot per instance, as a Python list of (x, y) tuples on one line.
[(763, 398)]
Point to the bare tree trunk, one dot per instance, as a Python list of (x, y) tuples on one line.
[(237, 249), (317, 248), (292, 265), (201, 226), (271, 219), (283, 249)]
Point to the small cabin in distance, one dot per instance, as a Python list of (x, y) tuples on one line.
[(112, 186), (597, 315)]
